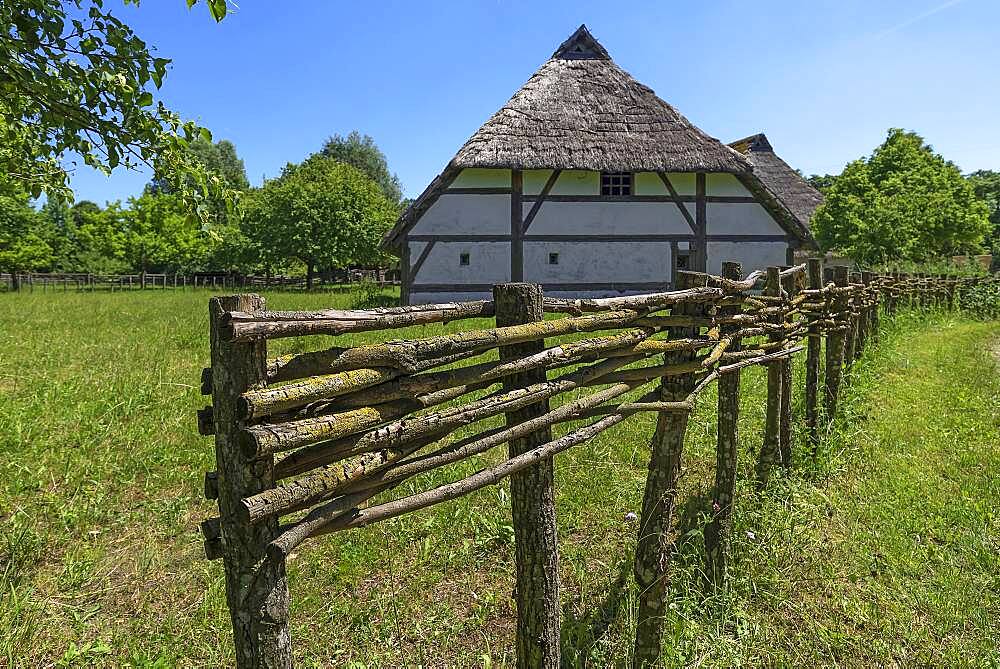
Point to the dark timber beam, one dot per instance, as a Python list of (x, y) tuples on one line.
[(541, 198), (677, 199), (421, 259), (516, 226), (701, 225), (405, 276)]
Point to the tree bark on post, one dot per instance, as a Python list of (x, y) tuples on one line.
[(835, 347), (256, 587), (789, 285), (532, 496), (717, 533), (655, 542), (770, 453), (815, 343)]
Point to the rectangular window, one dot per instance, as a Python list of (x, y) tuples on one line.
[(463, 259), (553, 258), (616, 183), (683, 260)]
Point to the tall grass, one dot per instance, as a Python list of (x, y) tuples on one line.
[(101, 560)]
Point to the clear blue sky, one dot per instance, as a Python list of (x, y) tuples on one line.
[(824, 79)]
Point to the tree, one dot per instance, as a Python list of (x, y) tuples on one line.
[(904, 202), (219, 158), (362, 152), (24, 237), (986, 185), (74, 79), (822, 182), (322, 213), (159, 236)]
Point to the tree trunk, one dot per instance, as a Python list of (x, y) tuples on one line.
[(532, 497), (256, 587), (717, 533), (309, 275), (655, 542)]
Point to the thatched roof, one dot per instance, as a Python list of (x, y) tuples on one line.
[(795, 193), (581, 111)]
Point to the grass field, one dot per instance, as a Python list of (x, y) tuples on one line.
[(883, 553)]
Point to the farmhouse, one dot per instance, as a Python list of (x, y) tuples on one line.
[(590, 184)]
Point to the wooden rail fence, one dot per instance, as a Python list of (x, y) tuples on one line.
[(315, 442), (89, 282)]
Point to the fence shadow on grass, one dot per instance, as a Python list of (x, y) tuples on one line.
[(581, 632)]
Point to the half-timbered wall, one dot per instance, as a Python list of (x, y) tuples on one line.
[(463, 243)]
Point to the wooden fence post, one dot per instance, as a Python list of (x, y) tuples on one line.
[(717, 532), (770, 453), (532, 496), (790, 285), (871, 318), (835, 342), (851, 336), (256, 587), (655, 542), (861, 320), (815, 343)]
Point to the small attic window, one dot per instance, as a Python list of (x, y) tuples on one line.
[(616, 183), (553, 258), (463, 258)]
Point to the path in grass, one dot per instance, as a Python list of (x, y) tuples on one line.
[(897, 560)]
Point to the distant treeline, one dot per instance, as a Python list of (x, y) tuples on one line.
[(327, 213)]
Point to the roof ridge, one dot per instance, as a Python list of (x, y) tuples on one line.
[(581, 45), (755, 142)]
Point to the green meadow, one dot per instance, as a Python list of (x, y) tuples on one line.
[(883, 551)]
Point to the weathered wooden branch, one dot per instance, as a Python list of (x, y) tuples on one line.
[(396, 434), (411, 355), (241, 326), (647, 302), (324, 520), (267, 401)]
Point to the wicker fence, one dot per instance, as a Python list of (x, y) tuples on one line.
[(322, 438), (86, 282)]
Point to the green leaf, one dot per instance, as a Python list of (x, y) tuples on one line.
[(218, 9)]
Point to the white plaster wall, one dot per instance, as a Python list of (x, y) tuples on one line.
[(740, 219), (438, 298), (649, 183), (475, 177), (455, 214), (609, 218), (591, 262), (489, 262), (725, 184), (752, 255), (533, 181), (577, 182)]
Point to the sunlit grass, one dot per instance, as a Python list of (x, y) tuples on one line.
[(882, 552)]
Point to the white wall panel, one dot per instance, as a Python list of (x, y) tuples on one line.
[(740, 219), (725, 184), (609, 218), (591, 262), (489, 262), (455, 214), (475, 177), (752, 255)]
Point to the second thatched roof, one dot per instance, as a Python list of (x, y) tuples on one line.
[(795, 193)]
